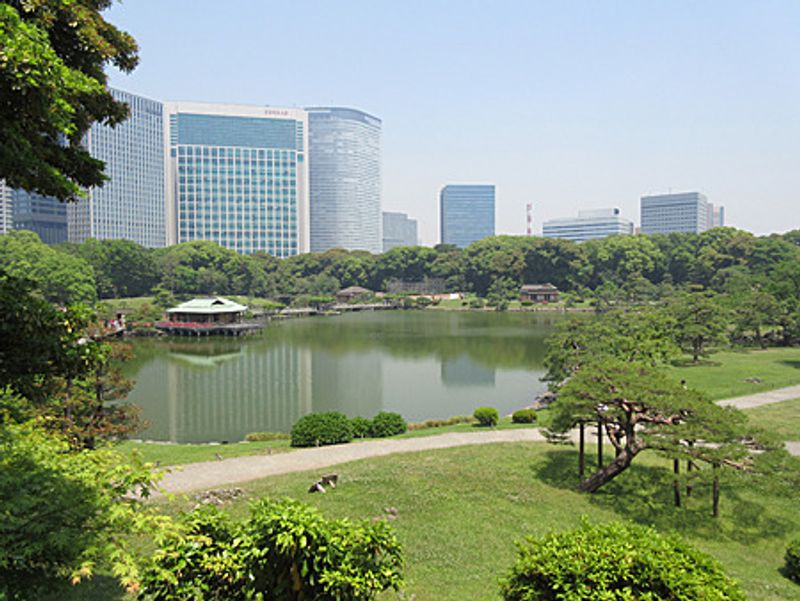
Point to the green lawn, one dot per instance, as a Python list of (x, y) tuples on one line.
[(782, 419), (724, 375), (461, 509)]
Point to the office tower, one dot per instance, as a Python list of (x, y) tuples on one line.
[(716, 216), (588, 225), (345, 178), (238, 175), (44, 215), (398, 230), (131, 204), (466, 213), (6, 210), (667, 213)]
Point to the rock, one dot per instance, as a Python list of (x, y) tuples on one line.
[(753, 380), (543, 401), (217, 497)]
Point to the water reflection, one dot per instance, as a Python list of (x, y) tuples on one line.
[(420, 364)]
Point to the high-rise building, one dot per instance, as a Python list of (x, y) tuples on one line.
[(716, 216), (588, 225), (398, 230), (44, 215), (466, 213), (131, 204), (6, 210), (345, 157), (238, 175), (667, 213)]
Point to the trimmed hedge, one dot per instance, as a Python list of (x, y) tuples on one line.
[(793, 560), (486, 416), (615, 561), (362, 427), (388, 424), (319, 429), (523, 416)]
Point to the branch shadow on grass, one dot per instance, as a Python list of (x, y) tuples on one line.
[(795, 364), (644, 494)]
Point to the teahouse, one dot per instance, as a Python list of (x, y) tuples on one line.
[(353, 292), (539, 293), (206, 316)]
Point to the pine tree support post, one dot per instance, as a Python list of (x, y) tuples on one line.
[(715, 502), (689, 467), (676, 467), (599, 445), (581, 449)]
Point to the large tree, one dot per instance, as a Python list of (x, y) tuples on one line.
[(53, 55)]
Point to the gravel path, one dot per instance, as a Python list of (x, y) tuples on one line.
[(213, 474)]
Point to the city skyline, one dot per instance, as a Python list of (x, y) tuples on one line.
[(636, 99)]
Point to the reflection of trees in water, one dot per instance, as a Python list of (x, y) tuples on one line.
[(462, 371)]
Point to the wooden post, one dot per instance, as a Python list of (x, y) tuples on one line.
[(599, 445), (581, 449), (715, 507), (689, 467), (676, 467)]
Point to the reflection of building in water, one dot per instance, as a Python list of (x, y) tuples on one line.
[(463, 371), (351, 383), (223, 397)]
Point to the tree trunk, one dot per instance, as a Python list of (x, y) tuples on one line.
[(599, 445), (581, 450), (715, 500), (676, 467), (689, 467), (609, 472)]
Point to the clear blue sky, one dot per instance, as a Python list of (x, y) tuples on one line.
[(566, 104)]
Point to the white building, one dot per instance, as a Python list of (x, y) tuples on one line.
[(683, 212), (6, 212), (588, 225)]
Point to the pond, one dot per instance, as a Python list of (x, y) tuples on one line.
[(421, 364)]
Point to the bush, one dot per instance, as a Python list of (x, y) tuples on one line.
[(216, 557), (615, 561), (524, 416), (361, 426), (793, 560), (476, 303), (266, 436), (486, 416), (388, 424), (319, 429)]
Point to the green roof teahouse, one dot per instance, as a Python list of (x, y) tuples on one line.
[(207, 316)]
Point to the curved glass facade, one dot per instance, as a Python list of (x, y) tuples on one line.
[(345, 179)]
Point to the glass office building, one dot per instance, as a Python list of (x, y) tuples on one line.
[(44, 215), (237, 175), (398, 230), (667, 213), (466, 213), (345, 155), (588, 225), (131, 204), (6, 209)]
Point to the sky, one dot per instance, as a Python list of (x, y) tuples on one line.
[(566, 104)]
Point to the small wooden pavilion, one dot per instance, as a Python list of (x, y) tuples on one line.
[(207, 316), (539, 293)]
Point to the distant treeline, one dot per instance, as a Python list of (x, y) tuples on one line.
[(634, 267)]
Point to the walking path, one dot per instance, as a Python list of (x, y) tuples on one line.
[(212, 474)]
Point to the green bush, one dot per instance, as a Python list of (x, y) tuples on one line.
[(524, 416), (486, 416), (388, 424), (285, 550), (362, 427), (793, 560), (318, 429), (615, 561), (526, 303), (266, 436), (476, 303)]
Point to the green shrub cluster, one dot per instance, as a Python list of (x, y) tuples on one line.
[(362, 427), (615, 561), (266, 436), (387, 423), (284, 550), (523, 416), (793, 560), (319, 429), (486, 416)]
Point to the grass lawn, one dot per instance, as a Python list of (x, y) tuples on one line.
[(781, 418), (723, 374), (461, 509)]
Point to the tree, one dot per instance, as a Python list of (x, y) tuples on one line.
[(615, 561), (122, 268), (700, 322), (52, 88)]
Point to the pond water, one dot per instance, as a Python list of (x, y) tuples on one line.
[(421, 364)]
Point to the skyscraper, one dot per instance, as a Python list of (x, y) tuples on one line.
[(44, 215), (345, 157), (398, 230), (667, 213), (588, 225), (6, 210), (131, 204), (466, 213), (238, 175), (716, 215)]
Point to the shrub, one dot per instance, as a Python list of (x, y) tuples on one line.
[(361, 426), (388, 424), (266, 436), (285, 550), (526, 303), (615, 561), (793, 560), (318, 429), (524, 416), (476, 303), (486, 416)]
